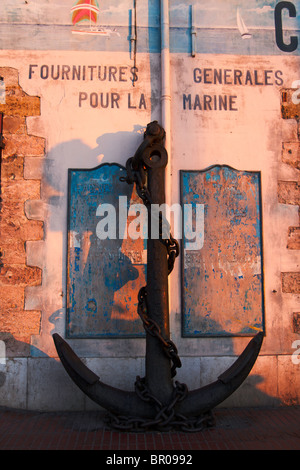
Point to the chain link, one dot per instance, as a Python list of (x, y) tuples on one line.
[(154, 329), (139, 178)]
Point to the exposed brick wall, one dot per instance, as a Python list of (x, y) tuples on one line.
[(290, 282), (17, 324), (289, 193)]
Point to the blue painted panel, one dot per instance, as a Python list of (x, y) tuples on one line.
[(222, 279), (104, 275)]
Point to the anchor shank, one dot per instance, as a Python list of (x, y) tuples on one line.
[(158, 370)]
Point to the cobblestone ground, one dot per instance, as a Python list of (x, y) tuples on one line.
[(235, 429)]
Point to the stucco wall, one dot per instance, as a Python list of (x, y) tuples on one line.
[(54, 120)]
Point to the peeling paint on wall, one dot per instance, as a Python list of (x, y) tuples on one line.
[(104, 275), (222, 283)]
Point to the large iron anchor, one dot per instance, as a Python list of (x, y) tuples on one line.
[(157, 402)]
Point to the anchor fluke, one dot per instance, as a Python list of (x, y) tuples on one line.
[(208, 397), (244, 363), (71, 362)]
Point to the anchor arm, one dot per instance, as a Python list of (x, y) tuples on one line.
[(121, 402), (114, 400)]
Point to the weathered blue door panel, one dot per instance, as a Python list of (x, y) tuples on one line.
[(222, 281), (104, 275)]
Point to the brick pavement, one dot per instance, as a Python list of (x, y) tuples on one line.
[(235, 429)]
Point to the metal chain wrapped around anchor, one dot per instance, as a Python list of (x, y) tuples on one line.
[(166, 418)]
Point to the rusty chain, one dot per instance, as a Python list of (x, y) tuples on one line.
[(166, 418)]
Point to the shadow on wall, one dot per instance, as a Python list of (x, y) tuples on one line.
[(111, 148)]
